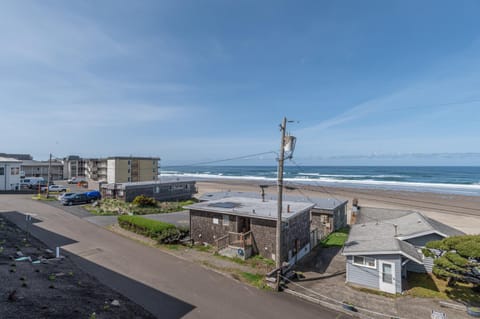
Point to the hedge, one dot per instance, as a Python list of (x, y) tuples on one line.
[(163, 232)]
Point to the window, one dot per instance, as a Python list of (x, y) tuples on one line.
[(215, 221), (129, 171), (364, 261), (324, 219), (128, 179), (14, 170), (226, 220), (128, 162), (2, 171)]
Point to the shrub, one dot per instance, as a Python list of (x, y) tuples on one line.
[(164, 233), (146, 227), (144, 201)]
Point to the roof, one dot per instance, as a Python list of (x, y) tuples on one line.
[(146, 183), (382, 235), (368, 214), (378, 239), (319, 202), (252, 207), (410, 224), (40, 163), (134, 158), (9, 160)]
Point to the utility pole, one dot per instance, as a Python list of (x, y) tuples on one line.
[(278, 250), (48, 177), (287, 145)]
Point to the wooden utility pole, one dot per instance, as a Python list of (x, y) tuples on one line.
[(278, 250), (48, 177)]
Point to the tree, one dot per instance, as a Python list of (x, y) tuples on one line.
[(457, 259)]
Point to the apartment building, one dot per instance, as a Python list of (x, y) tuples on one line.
[(132, 169), (9, 174), (31, 168), (74, 166), (96, 169)]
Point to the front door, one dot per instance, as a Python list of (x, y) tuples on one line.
[(243, 224), (387, 276)]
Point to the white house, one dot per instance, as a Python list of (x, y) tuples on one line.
[(9, 174)]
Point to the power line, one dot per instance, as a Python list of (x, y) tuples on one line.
[(314, 182), (224, 160)]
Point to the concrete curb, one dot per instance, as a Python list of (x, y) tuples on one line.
[(323, 303)]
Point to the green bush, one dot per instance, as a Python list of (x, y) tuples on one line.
[(144, 201), (163, 232)]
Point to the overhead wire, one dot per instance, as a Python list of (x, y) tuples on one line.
[(224, 160)]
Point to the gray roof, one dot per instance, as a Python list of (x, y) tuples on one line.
[(9, 160), (319, 202), (252, 207), (369, 214), (146, 183), (378, 239), (40, 163), (383, 235)]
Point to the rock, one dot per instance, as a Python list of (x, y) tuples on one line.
[(49, 251), (19, 254), (115, 303)]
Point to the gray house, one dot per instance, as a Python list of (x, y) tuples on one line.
[(386, 244), (244, 226), (160, 190)]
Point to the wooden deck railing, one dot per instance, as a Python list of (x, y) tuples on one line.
[(241, 240)]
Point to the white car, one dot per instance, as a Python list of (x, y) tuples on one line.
[(54, 188)]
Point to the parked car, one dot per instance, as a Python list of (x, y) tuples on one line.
[(32, 182), (93, 195), (64, 195), (54, 188), (75, 180), (75, 199)]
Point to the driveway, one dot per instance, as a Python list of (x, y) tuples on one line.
[(165, 285), (324, 279)]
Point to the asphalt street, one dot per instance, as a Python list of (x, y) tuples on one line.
[(166, 286)]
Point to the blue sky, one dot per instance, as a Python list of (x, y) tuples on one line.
[(370, 82)]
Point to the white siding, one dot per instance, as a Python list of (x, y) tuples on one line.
[(7, 180), (111, 171)]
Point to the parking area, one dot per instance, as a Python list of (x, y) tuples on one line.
[(323, 278)]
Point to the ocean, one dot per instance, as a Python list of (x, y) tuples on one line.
[(459, 180)]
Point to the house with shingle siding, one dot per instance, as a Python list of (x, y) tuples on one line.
[(245, 226)]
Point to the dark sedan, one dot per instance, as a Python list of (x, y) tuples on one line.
[(75, 199)]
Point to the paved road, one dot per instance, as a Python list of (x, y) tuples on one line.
[(165, 285)]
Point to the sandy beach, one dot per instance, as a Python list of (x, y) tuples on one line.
[(461, 212)]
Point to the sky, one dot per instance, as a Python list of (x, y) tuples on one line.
[(365, 82)]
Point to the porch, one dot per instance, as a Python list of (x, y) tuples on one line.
[(235, 245)]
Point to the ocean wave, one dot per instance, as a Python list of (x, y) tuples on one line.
[(354, 175), (466, 189)]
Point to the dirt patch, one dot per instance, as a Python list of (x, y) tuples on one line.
[(44, 287)]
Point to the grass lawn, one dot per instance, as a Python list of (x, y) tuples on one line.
[(336, 239), (429, 286), (44, 198)]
